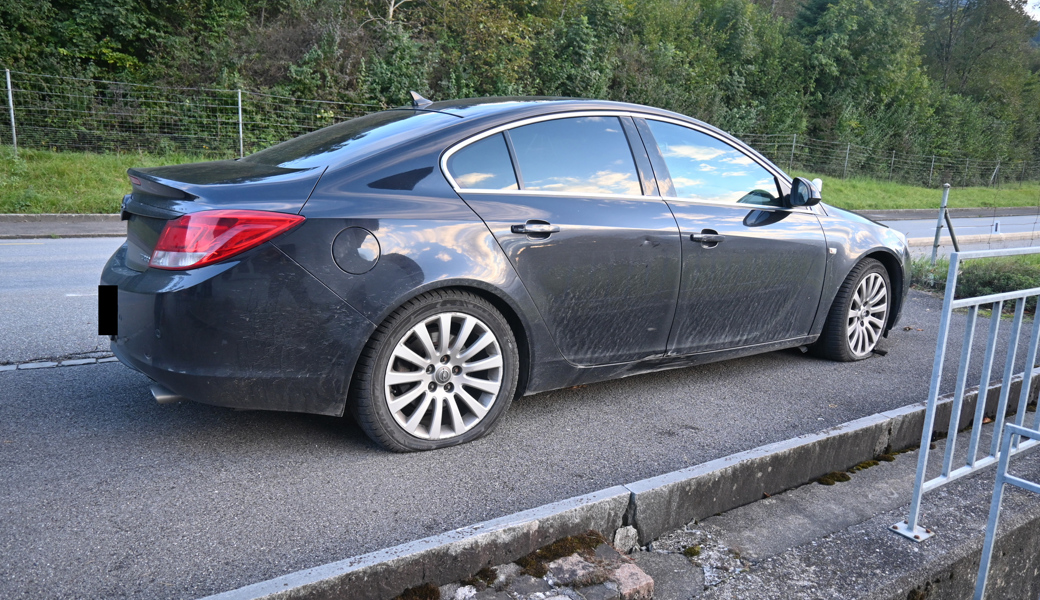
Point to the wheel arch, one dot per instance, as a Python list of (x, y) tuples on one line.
[(896, 276), (498, 299)]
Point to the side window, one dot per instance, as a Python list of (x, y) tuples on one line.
[(484, 165), (704, 168), (588, 155)]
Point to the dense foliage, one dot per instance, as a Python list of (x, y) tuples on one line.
[(915, 76)]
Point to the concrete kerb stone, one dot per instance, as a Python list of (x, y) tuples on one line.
[(670, 501), (448, 557)]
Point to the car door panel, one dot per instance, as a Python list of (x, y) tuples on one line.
[(600, 260)]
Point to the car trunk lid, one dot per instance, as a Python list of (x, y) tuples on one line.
[(160, 194)]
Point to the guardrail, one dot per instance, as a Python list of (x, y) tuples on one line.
[(909, 528)]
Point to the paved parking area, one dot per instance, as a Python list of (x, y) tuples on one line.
[(104, 493)]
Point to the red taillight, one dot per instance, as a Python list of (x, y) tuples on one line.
[(206, 237)]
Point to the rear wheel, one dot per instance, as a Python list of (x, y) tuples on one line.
[(438, 372), (858, 314)]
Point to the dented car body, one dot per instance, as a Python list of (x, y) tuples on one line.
[(434, 261)]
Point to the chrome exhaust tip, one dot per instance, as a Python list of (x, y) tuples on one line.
[(163, 395)]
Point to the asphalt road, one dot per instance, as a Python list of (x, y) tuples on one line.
[(105, 494), (48, 288)]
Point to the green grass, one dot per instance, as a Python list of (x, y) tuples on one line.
[(866, 194), (40, 181), (981, 277)]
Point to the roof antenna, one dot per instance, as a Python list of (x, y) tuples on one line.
[(418, 101)]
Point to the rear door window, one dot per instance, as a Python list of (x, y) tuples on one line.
[(484, 165), (705, 168), (576, 155)]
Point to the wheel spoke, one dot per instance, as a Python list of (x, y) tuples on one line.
[(445, 333), (407, 354), (424, 337), (483, 385), (435, 426), (879, 309), (482, 342), (405, 399), (399, 378), (491, 362), (464, 333), (413, 422), (478, 409), (457, 424)]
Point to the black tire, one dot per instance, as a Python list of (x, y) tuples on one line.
[(839, 340), (443, 412)]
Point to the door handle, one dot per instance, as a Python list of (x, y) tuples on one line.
[(535, 228), (707, 238)]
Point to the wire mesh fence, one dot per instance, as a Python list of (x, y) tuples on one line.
[(843, 159), (66, 113)]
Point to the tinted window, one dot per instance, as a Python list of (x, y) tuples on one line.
[(588, 155), (484, 165), (333, 144), (704, 168)]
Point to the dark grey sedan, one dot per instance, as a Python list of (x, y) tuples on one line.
[(424, 266)]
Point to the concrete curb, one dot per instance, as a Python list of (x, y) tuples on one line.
[(990, 238), (447, 557), (59, 218), (670, 501), (653, 506), (914, 214)]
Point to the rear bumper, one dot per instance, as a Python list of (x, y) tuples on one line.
[(256, 333)]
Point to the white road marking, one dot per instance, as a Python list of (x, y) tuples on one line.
[(78, 295)]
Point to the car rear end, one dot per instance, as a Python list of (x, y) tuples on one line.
[(211, 309)]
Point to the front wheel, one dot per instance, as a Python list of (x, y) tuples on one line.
[(858, 314), (438, 372)]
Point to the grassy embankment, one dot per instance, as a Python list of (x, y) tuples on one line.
[(40, 181)]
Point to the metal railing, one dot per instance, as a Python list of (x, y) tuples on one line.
[(1010, 439), (973, 462)]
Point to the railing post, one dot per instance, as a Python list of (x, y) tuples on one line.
[(845, 171), (939, 223), (790, 162), (10, 106), (241, 145)]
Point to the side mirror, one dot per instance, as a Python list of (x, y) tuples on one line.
[(804, 193)]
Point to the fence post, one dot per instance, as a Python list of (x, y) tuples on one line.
[(939, 223), (241, 145), (845, 171), (995, 171), (892, 165), (790, 162), (10, 105), (966, 162), (930, 171)]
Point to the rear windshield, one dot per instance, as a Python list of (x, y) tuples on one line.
[(363, 135)]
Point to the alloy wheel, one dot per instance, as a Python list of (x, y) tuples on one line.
[(867, 312), (443, 376)]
